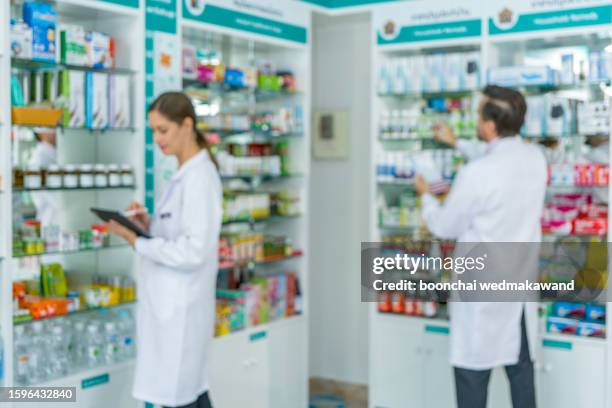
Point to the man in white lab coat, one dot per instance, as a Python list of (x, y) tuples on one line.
[(497, 197)]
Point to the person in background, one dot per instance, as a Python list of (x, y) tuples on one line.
[(497, 197), (177, 281), (44, 155)]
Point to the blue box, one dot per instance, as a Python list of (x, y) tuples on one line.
[(595, 313), (42, 19)]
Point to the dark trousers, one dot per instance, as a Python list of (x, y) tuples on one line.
[(472, 385), (203, 401)]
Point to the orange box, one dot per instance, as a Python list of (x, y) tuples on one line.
[(36, 116)]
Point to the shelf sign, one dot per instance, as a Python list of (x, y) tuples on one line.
[(258, 336), (95, 381), (529, 16), (127, 3), (431, 328), (283, 19), (162, 73), (334, 4), (425, 20)]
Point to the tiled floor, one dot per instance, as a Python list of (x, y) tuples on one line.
[(354, 395)]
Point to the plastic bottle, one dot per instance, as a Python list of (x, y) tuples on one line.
[(39, 369), (111, 344), (126, 334), (93, 345), (22, 353), (59, 341), (78, 348)]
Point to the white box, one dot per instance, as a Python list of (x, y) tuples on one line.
[(453, 72), (534, 119), (74, 92), (99, 50), (73, 49), (120, 102), (21, 41), (522, 76), (97, 100), (471, 71), (558, 116)]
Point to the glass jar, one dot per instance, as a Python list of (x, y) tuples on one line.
[(53, 178), (100, 175), (71, 177), (17, 177), (32, 177), (86, 176), (114, 175), (127, 175)]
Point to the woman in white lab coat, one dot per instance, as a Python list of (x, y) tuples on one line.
[(176, 285)]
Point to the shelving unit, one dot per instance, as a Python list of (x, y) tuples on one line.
[(74, 145), (269, 359), (409, 355)]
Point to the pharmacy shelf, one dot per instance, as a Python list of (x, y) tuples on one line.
[(431, 95), (251, 332), (68, 129), (272, 218), (75, 251), (72, 190), (269, 261), (261, 177), (568, 137), (248, 136), (34, 65), (424, 137), (17, 320), (214, 90), (545, 88), (76, 378), (569, 338)]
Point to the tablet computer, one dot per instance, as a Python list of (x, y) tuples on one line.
[(107, 215)]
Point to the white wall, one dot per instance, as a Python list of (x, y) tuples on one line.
[(339, 203)]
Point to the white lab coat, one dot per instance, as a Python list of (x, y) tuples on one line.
[(497, 197), (176, 287)]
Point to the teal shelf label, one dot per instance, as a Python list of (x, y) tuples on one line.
[(431, 32), (565, 345), (161, 16), (127, 3), (95, 381), (258, 336), (236, 20), (431, 328), (551, 20)]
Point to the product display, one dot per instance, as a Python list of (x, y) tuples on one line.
[(51, 294), (429, 73), (259, 301), (237, 249), (205, 67), (51, 349), (32, 239), (586, 320), (574, 214), (71, 176)]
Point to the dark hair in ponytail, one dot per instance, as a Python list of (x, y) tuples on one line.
[(176, 107)]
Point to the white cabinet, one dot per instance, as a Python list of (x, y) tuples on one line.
[(260, 368), (438, 380), (571, 373), (288, 351), (239, 371), (409, 364)]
